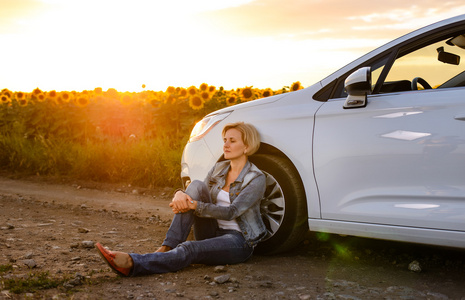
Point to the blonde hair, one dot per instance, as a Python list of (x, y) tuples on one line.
[(250, 135)]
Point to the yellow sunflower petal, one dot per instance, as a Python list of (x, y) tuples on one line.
[(206, 96), (36, 92), (246, 93), (296, 86), (22, 102), (171, 90), (5, 99), (40, 97), (191, 91), (203, 87), (65, 96), (52, 94), (267, 93), (196, 102), (20, 95), (82, 101)]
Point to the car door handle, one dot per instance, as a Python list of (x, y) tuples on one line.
[(460, 117)]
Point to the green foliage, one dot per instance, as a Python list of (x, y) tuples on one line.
[(35, 282), (134, 138), (39, 155), (148, 163), (5, 268)]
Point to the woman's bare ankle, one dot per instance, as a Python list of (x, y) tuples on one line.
[(123, 260)]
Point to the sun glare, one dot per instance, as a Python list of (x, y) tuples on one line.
[(115, 44)]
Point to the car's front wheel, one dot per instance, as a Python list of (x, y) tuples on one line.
[(284, 208)]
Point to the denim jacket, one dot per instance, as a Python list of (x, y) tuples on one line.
[(245, 194)]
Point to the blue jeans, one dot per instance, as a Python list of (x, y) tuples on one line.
[(212, 245)]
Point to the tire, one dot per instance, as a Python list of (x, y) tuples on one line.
[(284, 207)]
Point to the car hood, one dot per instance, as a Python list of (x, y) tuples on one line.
[(304, 94), (252, 103)]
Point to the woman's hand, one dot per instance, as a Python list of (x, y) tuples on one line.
[(182, 203)]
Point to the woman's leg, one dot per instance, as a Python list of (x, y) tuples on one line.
[(182, 223), (228, 247)]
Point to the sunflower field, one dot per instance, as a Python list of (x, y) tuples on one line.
[(108, 136)]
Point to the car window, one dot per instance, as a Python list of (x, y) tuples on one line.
[(424, 63), (376, 73)]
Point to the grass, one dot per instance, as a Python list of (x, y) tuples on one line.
[(5, 268), (139, 162), (35, 282)]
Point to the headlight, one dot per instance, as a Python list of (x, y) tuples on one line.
[(205, 125)]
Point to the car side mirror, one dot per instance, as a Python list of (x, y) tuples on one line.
[(358, 86)]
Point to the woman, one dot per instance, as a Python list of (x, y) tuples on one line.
[(224, 210)]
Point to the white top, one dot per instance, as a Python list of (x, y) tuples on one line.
[(223, 200)]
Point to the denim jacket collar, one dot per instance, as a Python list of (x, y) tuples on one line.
[(223, 168)]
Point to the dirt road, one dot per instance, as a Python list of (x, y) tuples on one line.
[(48, 229)]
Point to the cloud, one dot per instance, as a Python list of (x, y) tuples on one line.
[(398, 19), (303, 19)]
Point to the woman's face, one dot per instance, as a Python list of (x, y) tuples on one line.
[(233, 146)]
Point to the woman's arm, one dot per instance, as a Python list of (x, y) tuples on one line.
[(248, 197), (182, 202)]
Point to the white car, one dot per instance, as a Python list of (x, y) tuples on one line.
[(376, 149)]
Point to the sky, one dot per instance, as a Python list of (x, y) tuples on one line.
[(83, 44)]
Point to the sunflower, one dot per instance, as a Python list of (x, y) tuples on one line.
[(36, 92), (246, 93), (112, 93), (5, 99), (296, 86), (183, 94), (267, 93), (7, 92), (82, 101), (98, 91), (203, 87), (212, 89), (52, 95), (20, 95), (40, 97), (58, 100), (231, 99), (206, 96), (22, 102), (191, 91), (65, 96), (171, 90), (126, 99), (196, 102)]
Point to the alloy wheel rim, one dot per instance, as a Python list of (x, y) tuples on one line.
[(272, 206)]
